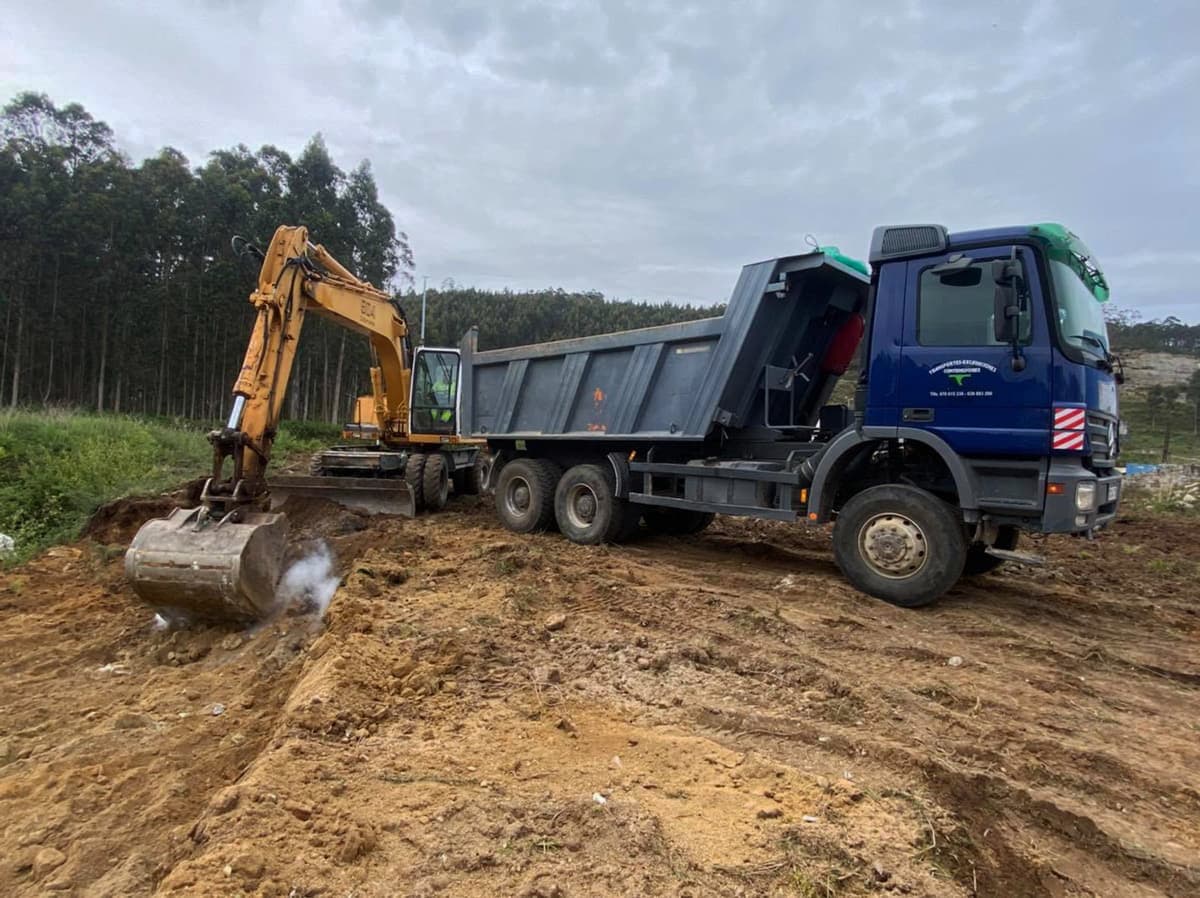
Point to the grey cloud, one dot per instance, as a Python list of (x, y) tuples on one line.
[(649, 149)]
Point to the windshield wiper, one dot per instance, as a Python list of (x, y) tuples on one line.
[(1106, 357)]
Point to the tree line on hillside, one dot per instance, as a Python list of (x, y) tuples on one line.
[(119, 290), (506, 318), (1127, 330)]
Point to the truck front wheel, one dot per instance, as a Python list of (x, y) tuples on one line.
[(900, 544), (587, 508), (525, 494)]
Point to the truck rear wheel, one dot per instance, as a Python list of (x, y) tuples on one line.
[(900, 544), (587, 508), (980, 562), (435, 482), (414, 476), (525, 494), (676, 521)]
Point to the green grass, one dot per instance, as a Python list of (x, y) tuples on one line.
[(58, 466), (1144, 442)]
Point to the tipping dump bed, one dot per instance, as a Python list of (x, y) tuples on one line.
[(672, 382)]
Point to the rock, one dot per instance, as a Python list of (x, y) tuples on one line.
[(61, 884), (218, 709), (547, 675), (249, 864), (47, 859), (298, 810), (954, 661), (231, 642), (881, 873), (814, 695), (823, 783), (8, 545), (555, 622), (191, 694), (8, 752), (353, 846), (565, 725), (131, 720), (769, 814), (225, 800), (643, 663)]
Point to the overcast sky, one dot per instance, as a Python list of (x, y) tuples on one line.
[(649, 149)]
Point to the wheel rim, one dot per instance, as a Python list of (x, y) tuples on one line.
[(517, 497), (893, 545), (582, 504)]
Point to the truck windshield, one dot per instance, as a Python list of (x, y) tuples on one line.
[(1080, 314)]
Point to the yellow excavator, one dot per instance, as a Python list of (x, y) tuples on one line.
[(222, 559)]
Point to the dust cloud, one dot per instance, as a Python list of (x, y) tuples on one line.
[(309, 584)]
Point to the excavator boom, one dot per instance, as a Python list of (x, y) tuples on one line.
[(222, 560)]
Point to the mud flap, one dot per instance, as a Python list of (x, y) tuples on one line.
[(190, 565), (376, 495)]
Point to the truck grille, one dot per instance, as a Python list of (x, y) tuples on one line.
[(1103, 440)]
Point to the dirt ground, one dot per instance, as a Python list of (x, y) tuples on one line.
[(485, 714)]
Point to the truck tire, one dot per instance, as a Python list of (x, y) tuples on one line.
[(900, 544), (676, 521), (525, 494), (435, 481), (980, 562), (587, 508), (414, 476), (474, 476)]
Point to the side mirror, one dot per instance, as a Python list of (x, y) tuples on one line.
[(1006, 308), (1005, 313)]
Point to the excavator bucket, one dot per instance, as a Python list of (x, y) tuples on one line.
[(193, 566), (376, 495)]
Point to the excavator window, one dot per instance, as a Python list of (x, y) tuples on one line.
[(435, 391)]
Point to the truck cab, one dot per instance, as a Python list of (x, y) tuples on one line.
[(991, 345)]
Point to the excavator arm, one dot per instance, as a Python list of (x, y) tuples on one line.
[(222, 559), (298, 277)]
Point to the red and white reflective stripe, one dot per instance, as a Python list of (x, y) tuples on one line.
[(1068, 439), (1069, 418), (1069, 424)]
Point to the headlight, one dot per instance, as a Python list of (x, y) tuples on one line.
[(1085, 496)]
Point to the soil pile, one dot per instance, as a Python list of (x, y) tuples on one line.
[(486, 714)]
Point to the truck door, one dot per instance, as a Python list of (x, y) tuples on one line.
[(434, 401), (956, 379)]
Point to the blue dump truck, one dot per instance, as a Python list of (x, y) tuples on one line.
[(985, 405)]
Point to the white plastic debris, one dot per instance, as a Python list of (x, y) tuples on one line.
[(218, 709), (955, 661), (598, 798), (8, 545)]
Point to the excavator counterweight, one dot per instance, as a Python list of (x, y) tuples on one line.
[(222, 560)]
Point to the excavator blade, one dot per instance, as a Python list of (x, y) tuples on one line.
[(189, 565), (376, 495)]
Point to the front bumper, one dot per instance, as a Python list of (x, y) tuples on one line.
[(1061, 514)]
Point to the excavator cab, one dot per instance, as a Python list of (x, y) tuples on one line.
[(434, 405)]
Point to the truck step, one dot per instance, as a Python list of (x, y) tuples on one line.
[(1019, 557)]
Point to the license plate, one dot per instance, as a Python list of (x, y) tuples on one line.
[(1114, 489)]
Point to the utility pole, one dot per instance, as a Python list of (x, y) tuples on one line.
[(424, 293)]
